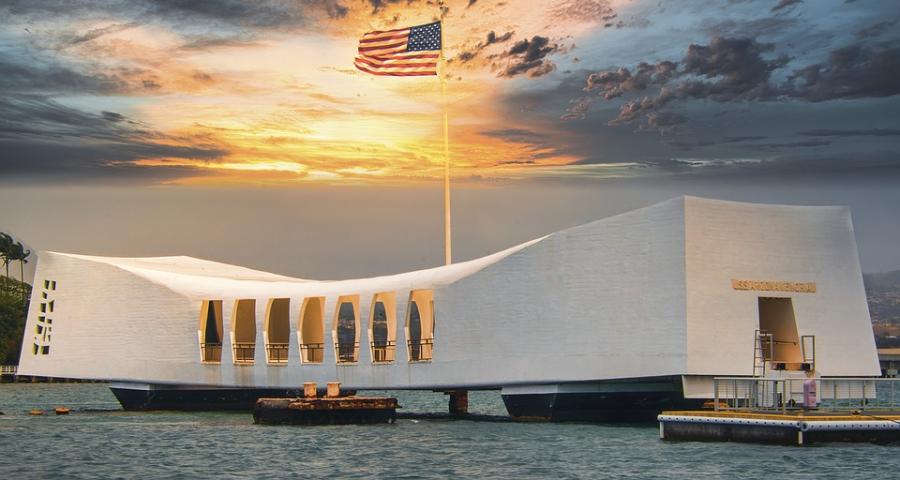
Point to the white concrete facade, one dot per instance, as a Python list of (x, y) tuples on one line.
[(648, 293)]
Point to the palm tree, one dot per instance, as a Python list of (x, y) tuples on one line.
[(18, 252), (6, 243)]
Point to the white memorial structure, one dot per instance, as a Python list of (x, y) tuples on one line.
[(618, 318)]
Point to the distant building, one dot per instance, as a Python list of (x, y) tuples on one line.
[(890, 361)]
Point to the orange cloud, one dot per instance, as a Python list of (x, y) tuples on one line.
[(288, 107)]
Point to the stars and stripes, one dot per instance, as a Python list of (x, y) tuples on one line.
[(412, 51)]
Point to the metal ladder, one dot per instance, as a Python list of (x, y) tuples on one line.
[(763, 349)]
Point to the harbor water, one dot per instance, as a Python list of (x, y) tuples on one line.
[(99, 440)]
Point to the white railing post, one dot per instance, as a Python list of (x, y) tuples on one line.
[(715, 394)]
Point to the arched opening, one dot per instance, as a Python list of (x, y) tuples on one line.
[(210, 331), (312, 330), (383, 327), (278, 330), (420, 325), (243, 331), (346, 329)]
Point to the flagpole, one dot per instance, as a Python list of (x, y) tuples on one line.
[(448, 258)]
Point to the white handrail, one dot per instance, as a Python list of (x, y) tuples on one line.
[(831, 393)]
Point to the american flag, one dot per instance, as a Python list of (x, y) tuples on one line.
[(404, 52)]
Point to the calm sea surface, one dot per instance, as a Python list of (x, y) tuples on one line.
[(98, 440)]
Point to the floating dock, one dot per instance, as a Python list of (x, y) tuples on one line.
[(793, 428), (792, 411), (332, 409)]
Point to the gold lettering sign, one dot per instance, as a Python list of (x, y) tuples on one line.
[(768, 286)]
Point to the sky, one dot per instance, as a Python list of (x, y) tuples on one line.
[(241, 132)]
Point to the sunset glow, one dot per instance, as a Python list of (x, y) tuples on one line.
[(288, 106), (250, 92)]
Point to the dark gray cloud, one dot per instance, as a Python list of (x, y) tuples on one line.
[(728, 69), (742, 70), (749, 110), (491, 39), (36, 116), (41, 136), (39, 64), (112, 116), (96, 33), (879, 161), (752, 140), (782, 4), (808, 164), (751, 28), (684, 145), (529, 57), (778, 146), (743, 138), (747, 143), (876, 30), (664, 122), (258, 14), (733, 69), (29, 72), (612, 84), (872, 132), (854, 71)]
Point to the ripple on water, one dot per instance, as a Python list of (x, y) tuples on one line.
[(98, 440)]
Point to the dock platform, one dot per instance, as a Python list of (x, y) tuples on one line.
[(792, 411), (792, 428)]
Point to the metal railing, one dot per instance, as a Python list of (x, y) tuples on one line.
[(277, 352), (420, 351), (244, 352), (764, 354), (383, 351), (8, 369), (787, 394), (347, 352), (211, 352), (312, 352)]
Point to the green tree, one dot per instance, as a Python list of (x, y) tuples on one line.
[(12, 323), (13, 300), (6, 243), (18, 252)]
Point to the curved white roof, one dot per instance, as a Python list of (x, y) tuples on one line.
[(196, 276)]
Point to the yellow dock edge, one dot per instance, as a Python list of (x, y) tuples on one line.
[(807, 416)]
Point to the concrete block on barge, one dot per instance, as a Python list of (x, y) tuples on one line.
[(333, 409), (324, 411)]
